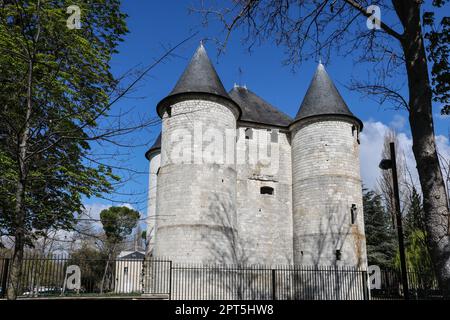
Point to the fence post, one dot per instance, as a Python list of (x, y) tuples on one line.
[(274, 288), (143, 275), (5, 277), (170, 280), (366, 289)]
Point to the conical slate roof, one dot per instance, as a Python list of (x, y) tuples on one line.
[(255, 109), (198, 77), (322, 98), (156, 146)]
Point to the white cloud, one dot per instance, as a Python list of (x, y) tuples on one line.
[(372, 139), (398, 122), (92, 211), (443, 146), (128, 205)]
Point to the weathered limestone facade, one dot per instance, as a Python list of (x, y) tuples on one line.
[(198, 199), (326, 184), (265, 237), (298, 202), (154, 164)]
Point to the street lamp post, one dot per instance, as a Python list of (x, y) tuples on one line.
[(386, 164)]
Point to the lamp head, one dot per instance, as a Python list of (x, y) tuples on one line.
[(385, 164)]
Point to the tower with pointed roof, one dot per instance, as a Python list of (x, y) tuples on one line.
[(196, 197), (299, 202), (328, 222)]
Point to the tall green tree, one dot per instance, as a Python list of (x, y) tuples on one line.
[(415, 217), (380, 237), (418, 257), (90, 261), (118, 223), (406, 42), (55, 84)]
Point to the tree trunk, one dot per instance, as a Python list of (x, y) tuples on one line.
[(435, 201), (16, 265), (104, 275), (19, 212), (110, 254)]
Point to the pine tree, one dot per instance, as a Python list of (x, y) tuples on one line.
[(380, 237)]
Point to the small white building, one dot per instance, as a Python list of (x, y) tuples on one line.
[(128, 270)]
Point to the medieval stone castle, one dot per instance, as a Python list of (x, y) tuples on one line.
[(301, 205)]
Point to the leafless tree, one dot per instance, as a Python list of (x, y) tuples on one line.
[(384, 183)]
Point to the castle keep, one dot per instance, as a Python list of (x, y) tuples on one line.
[(233, 180)]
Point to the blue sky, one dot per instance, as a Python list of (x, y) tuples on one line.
[(154, 24)]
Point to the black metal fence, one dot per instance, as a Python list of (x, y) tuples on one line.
[(422, 286), (207, 282), (66, 276)]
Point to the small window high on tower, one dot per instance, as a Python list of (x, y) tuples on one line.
[(273, 136), (353, 212), (338, 255), (266, 190), (249, 133)]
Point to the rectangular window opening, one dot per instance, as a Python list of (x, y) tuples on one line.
[(353, 213), (338, 255), (274, 136), (266, 190), (248, 133)]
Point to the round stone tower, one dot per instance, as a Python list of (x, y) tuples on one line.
[(328, 222), (153, 155), (196, 194)]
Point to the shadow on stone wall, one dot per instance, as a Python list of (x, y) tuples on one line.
[(229, 251), (336, 279)]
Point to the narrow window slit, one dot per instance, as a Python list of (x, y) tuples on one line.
[(338, 255), (353, 212)]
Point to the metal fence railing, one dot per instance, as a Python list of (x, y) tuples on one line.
[(69, 276), (422, 286), (200, 282), (53, 276)]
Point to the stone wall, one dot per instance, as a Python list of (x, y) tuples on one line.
[(155, 159), (210, 210), (196, 201), (264, 221), (326, 183)]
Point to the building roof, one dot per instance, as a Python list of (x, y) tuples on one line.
[(255, 109), (200, 76), (156, 146), (322, 98), (134, 255)]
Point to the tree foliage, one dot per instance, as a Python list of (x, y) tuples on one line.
[(417, 253), (380, 237), (55, 83), (118, 223), (55, 86), (438, 48)]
